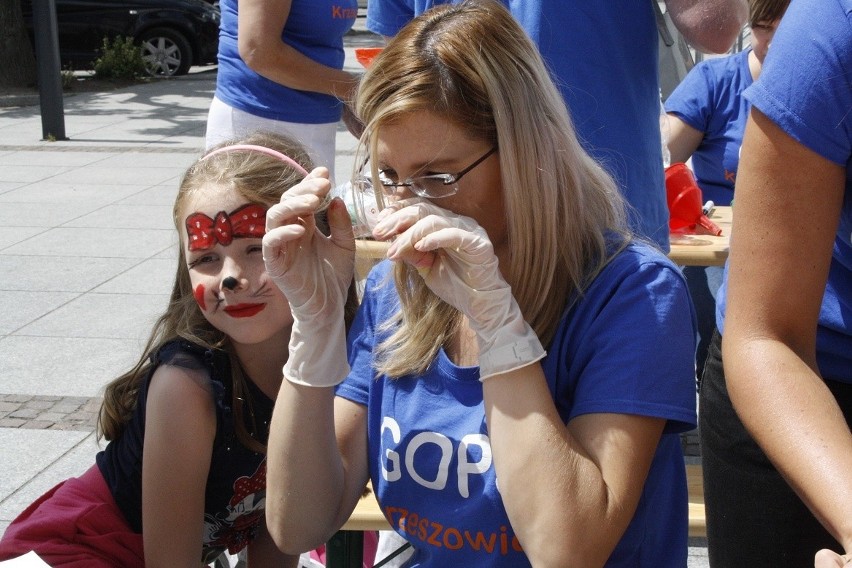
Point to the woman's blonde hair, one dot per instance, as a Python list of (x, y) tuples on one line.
[(472, 64), (258, 178)]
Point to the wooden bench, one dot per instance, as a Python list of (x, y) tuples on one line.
[(345, 548), (367, 515), (697, 522)]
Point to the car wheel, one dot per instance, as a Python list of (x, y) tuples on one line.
[(165, 52)]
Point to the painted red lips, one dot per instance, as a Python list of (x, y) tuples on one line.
[(244, 310)]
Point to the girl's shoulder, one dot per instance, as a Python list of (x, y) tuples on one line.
[(209, 367)]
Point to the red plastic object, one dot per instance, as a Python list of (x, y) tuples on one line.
[(684, 199), (365, 55)]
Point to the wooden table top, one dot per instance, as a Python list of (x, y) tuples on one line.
[(704, 250)]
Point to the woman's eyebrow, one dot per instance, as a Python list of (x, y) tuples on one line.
[(418, 167)]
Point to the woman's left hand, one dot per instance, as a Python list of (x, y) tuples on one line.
[(456, 259), (826, 558)]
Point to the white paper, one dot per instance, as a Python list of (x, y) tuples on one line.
[(28, 560)]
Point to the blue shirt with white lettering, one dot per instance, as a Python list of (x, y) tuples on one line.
[(625, 347)]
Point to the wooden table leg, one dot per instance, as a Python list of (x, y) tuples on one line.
[(345, 550)]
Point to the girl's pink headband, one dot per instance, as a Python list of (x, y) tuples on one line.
[(263, 150)]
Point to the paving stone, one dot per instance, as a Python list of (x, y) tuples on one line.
[(49, 412), (6, 406), (11, 422)]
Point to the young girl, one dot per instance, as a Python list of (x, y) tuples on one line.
[(184, 475)]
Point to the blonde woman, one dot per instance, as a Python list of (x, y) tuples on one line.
[(520, 366)]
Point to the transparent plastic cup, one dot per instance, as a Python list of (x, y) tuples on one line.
[(361, 203)]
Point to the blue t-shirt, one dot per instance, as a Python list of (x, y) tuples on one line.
[(805, 87), (709, 99), (315, 28), (627, 346), (603, 57)]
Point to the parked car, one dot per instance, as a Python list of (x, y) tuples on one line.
[(173, 34)]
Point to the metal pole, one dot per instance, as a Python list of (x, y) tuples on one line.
[(49, 70)]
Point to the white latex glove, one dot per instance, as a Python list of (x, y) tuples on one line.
[(457, 262), (314, 272), (829, 559)]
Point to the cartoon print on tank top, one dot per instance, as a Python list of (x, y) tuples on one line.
[(238, 526)]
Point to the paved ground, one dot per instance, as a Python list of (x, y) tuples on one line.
[(87, 259)]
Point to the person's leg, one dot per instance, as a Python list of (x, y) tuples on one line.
[(220, 124), (753, 517), (225, 122), (77, 524)]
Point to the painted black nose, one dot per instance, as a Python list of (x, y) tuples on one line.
[(230, 283)]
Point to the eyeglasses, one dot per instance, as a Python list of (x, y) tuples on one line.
[(433, 186)]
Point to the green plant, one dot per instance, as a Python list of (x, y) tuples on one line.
[(120, 59), (68, 78)]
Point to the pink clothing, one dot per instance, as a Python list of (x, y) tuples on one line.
[(77, 524)]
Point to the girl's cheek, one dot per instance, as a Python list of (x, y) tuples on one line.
[(199, 297)]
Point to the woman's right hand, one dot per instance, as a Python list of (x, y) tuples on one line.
[(314, 271)]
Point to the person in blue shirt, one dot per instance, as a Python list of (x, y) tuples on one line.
[(705, 119), (283, 72), (774, 420), (603, 58), (520, 368)]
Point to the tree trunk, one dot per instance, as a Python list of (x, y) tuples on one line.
[(19, 66)]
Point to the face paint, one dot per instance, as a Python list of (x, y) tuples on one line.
[(248, 221), (199, 297)]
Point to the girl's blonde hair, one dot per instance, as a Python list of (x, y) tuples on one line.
[(472, 64), (258, 178)]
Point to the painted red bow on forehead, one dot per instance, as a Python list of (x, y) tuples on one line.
[(248, 221)]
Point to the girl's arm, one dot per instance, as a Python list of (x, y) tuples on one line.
[(180, 425), (317, 465), (262, 553), (683, 139), (569, 491), (788, 206), (260, 24)]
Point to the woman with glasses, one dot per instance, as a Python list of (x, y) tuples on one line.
[(520, 366)]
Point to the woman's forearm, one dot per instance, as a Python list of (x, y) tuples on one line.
[(569, 505), (305, 478), (797, 422)]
